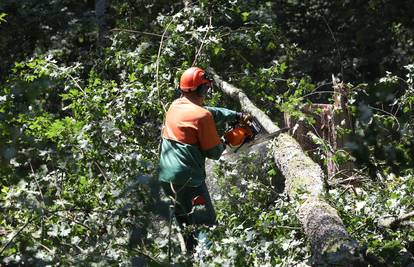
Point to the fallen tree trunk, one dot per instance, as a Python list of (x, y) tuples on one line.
[(330, 242)]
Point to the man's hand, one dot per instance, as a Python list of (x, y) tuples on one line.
[(244, 118)]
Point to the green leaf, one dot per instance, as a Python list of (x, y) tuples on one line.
[(272, 172), (2, 16), (55, 129), (245, 16)]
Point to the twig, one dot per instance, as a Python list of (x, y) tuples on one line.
[(338, 173), (390, 114), (43, 200), (16, 234), (102, 172), (406, 216), (37, 183), (402, 80), (134, 31), (288, 227), (319, 92), (159, 55), (48, 249), (181, 241), (148, 255), (358, 228), (79, 223), (202, 44), (336, 45), (345, 190), (158, 62), (172, 211), (77, 84), (348, 180), (324, 143), (360, 172), (243, 58), (72, 78), (240, 29)]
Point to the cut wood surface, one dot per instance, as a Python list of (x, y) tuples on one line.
[(330, 242)]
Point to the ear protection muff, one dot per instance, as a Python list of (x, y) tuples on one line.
[(203, 89)]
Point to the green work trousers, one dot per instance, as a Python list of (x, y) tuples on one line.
[(187, 214)]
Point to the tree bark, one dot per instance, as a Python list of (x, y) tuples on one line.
[(330, 242)]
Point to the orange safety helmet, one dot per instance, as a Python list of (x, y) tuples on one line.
[(193, 78)]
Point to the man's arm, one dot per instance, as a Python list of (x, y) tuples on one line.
[(222, 115), (209, 140)]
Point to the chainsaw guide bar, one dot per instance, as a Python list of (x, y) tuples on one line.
[(267, 137), (261, 139)]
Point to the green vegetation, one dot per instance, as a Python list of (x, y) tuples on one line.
[(80, 125)]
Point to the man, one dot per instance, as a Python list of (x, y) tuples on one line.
[(189, 136)]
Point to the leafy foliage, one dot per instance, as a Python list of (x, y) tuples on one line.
[(258, 223), (362, 208)]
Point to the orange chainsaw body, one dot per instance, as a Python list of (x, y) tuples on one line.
[(238, 135)]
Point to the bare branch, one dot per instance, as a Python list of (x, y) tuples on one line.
[(137, 32), (202, 43), (389, 114), (158, 63), (15, 235)]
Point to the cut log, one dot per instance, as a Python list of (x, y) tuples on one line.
[(330, 242)]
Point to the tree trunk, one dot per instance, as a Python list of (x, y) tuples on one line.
[(101, 7), (330, 242), (328, 118)]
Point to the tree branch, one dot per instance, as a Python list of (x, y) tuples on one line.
[(394, 222), (16, 234)]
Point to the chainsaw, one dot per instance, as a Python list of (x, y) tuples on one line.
[(245, 134)]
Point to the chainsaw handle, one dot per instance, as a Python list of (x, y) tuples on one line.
[(224, 140)]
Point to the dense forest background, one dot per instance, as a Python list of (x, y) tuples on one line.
[(83, 89)]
